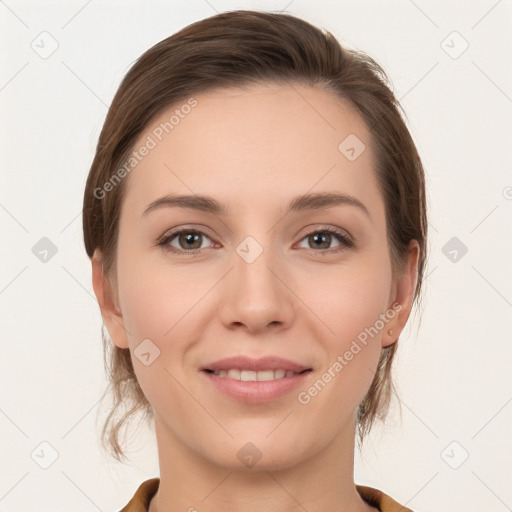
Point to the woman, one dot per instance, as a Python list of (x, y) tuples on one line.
[(256, 221)]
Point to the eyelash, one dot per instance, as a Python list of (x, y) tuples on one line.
[(345, 241)]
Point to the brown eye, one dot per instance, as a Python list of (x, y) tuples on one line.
[(320, 240), (187, 241), (323, 238)]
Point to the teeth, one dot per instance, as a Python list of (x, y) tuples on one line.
[(232, 374), (248, 375)]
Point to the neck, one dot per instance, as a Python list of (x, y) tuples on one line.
[(324, 481)]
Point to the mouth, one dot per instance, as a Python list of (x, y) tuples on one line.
[(256, 376), (248, 389), (255, 380)]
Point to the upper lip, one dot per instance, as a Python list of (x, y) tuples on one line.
[(260, 364)]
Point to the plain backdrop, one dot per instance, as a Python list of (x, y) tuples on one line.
[(449, 63)]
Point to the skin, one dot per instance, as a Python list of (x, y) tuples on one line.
[(255, 149)]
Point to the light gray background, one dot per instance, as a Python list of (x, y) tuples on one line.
[(453, 371)]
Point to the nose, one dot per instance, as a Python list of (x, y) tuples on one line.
[(257, 294)]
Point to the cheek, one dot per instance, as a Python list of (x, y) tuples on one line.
[(357, 310), (166, 306), (351, 351), (158, 306), (352, 304), (348, 299), (157, 299)]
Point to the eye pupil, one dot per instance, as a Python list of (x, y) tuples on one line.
[(190, 237), (322, 237)]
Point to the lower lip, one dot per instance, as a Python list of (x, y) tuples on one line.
[(256, 391)]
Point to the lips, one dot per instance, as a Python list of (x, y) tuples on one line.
[(268, 380), (267, 363)]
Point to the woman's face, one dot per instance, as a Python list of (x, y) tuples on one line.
[(311, 284)]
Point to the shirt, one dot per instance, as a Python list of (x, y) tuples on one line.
[(374, 497)]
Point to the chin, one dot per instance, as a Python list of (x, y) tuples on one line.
[(258, 455)]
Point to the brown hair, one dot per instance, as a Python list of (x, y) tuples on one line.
[(239, 48)]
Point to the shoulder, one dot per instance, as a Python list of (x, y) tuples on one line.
[(380, 500), (142, 497), (147, 489)]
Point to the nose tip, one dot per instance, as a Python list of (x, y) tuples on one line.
[(255, 296)]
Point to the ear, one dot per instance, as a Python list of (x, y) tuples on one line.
[(402, 296), (110, 312)]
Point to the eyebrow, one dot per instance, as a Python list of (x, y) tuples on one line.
[(311, 201)]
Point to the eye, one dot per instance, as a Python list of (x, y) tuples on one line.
[(188, 240), (322, 238)]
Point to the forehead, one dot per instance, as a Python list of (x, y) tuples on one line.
[(260, 142)]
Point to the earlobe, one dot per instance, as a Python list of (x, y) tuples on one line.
[(395, 326), (402, 301), (110, 312)]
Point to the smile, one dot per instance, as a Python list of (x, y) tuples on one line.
[(256, 386), (249, 375)]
